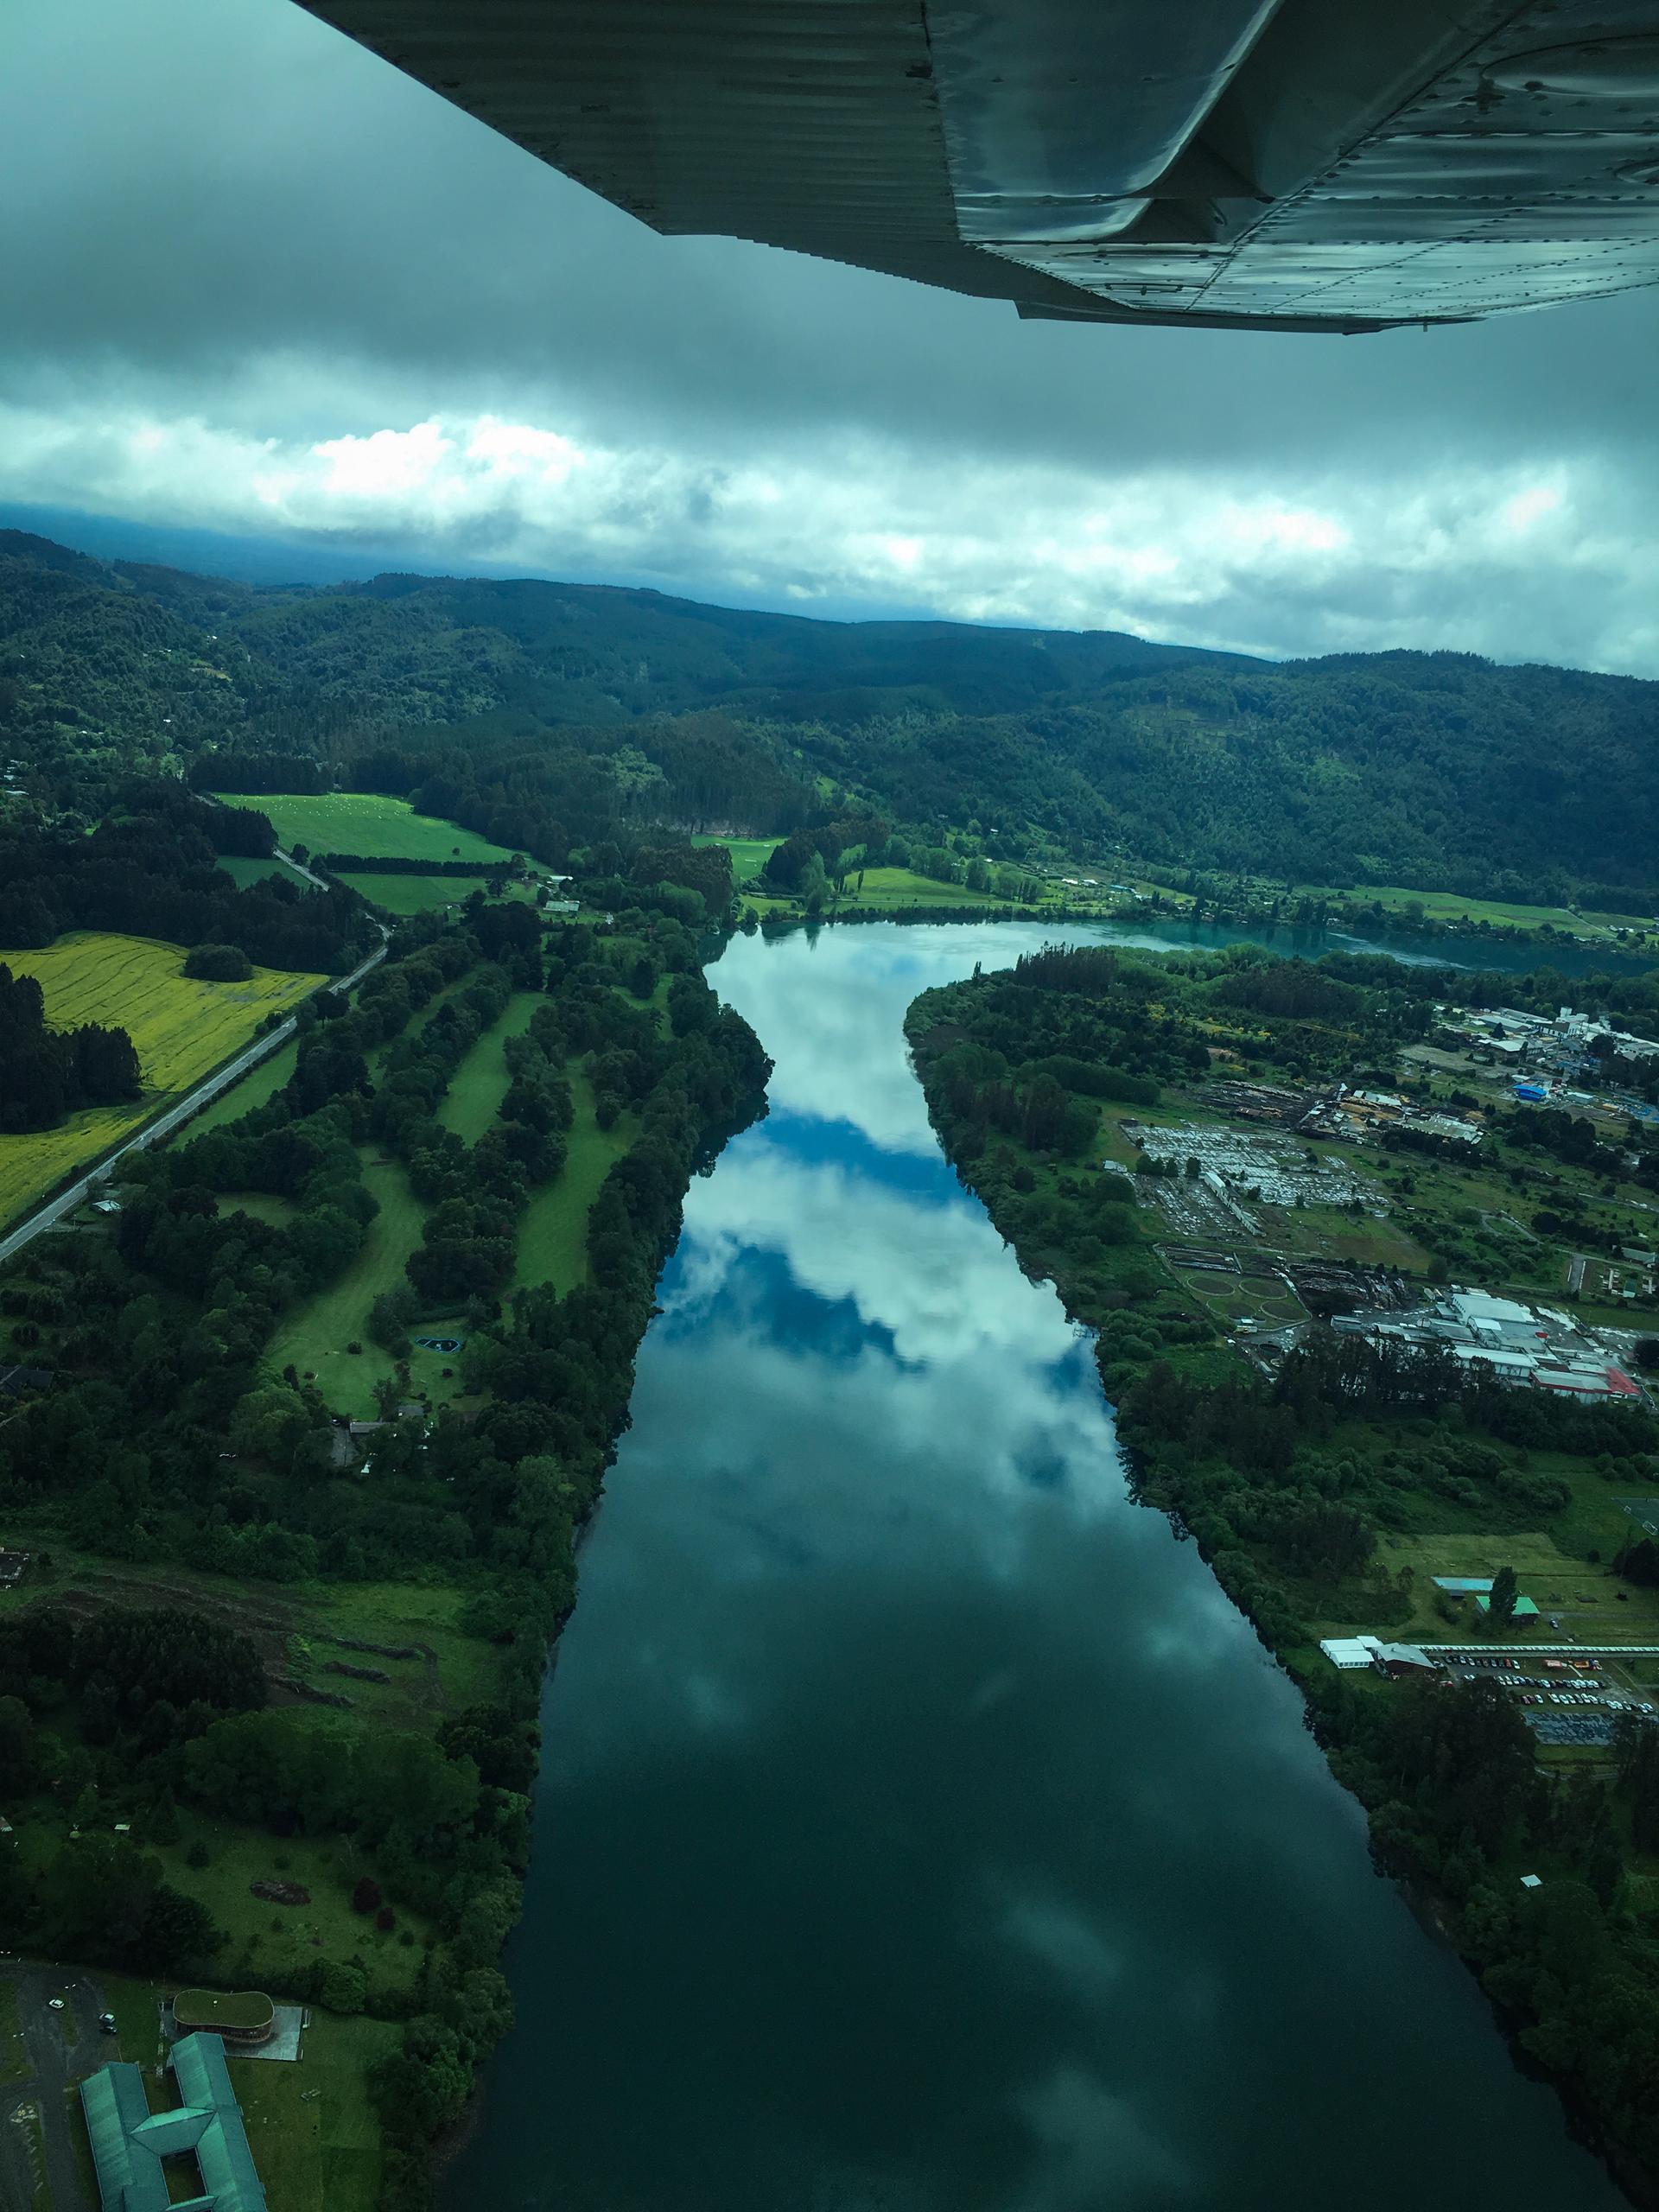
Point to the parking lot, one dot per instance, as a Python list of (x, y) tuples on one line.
[(1571, 1728), (54, 2043), (1577, 1704)]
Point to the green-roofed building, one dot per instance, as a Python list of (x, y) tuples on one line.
[(131, 2144), (236, 2017), (1524, 1608)]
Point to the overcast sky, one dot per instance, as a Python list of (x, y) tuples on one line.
[(254, 281)]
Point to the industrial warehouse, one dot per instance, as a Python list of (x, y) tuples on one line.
[(1536, 1346)]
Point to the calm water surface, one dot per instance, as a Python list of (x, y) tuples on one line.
[(919, 1829)]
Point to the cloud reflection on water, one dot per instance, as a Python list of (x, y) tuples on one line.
[(922, 1829)]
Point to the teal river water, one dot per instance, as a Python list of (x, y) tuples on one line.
[(919, 1829)]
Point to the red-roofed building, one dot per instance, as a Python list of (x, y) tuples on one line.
[(1587, 1382)]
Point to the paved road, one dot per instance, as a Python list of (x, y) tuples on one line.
[(164, 1124), (299, 867), (37, 2112)]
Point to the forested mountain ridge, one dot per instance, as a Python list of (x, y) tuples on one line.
[(1438, 770)]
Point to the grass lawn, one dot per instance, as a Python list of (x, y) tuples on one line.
[(314, 1338), (480, 1083), (461, 1670), (887, 887), (414, 894), (749, 855), (364, 821), (1581, 1594), (1330, 1232), (181, 1028), (270, 1944), (553, 1239), (244, 872), (256, 1088), (902, 886), (318, 2152)]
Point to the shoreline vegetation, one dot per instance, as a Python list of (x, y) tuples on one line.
[(951, 884), (1326, 1478), (269, 1686)]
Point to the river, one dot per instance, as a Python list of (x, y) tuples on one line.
[(919, 1829)]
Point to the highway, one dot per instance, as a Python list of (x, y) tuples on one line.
[(164, 1124)]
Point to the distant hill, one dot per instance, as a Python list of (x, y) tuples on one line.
[(1439, 770)]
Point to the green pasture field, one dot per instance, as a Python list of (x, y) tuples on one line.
[(181, 1027), (480, 1083), (367, 823), (244, 871), (902, 886), (1454, 906), (553, 1237), (414, 894), (749, 855), (314, 1338), (299, 1629), (256, 1088), (886, 888), (270, 1944), (1329, 1233)]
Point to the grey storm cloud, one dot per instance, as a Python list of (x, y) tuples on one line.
[(252, 280)]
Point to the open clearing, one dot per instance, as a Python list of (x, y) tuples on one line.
[(314, 1338), (182, 1029), (553, 1236), (1581, 1594), (480, 1083), (256, 1089), (1454, 906), (749, 855), (243, 872), (364, 821), (886, 887), (413, 894)]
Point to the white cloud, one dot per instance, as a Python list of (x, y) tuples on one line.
[(1259, 560)]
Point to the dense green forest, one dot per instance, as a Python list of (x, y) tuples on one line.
[(45, 1073), (554, 708), (151, 868)]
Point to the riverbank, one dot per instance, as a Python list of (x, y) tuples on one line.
[(387, 1597), (920, 1823), (1326, 1493)]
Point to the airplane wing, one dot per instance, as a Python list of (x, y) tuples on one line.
[(1327, 165)]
